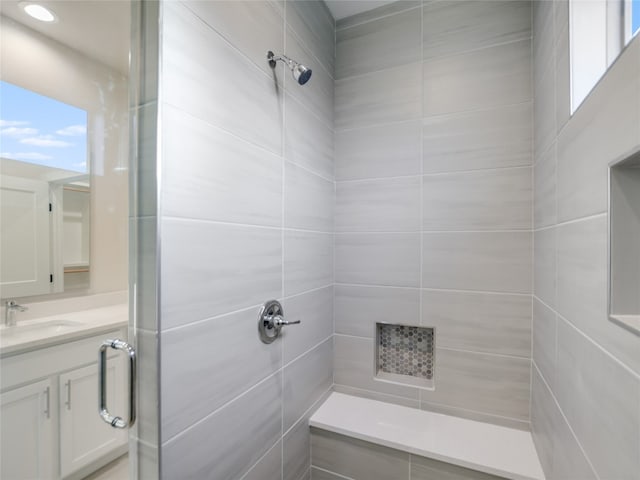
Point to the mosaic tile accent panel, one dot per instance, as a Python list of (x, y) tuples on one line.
[(405, 350)]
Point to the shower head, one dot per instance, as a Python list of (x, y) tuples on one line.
[(301, 73)]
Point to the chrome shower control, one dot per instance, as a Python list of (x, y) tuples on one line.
[(271, 321)]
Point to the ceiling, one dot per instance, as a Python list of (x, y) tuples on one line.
[(98, 28), (345, 8)]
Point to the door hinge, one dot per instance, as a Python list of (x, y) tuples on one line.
[(50, 207), (51, 278)]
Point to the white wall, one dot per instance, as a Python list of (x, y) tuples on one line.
[(34, 62)]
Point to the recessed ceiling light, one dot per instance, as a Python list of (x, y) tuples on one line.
[(38, 12)]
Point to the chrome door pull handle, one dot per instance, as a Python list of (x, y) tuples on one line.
[(271, 320), (116, 422)]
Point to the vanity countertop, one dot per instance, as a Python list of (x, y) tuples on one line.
[(47, 331)]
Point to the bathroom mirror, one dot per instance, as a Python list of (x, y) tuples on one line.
[(45, 194), (64, 151)]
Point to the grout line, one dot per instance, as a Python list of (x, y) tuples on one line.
[(374, 19), (240, 310), (420, 297), (450, 349), (570, 222), (435, 174), (331, 473), (511, 420), (428, 232), (282, 239), (324, 340), (435, 116), (246, 225), (261, 458), (453, 290)]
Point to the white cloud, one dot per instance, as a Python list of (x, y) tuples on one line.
[(12, 123), (26, 156), (45, 141), (73, 130), (18, 131)]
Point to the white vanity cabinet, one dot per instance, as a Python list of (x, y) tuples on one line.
[(26, 439), (50, 399), (84, 436)]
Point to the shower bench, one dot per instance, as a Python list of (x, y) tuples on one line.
[(357, 438)]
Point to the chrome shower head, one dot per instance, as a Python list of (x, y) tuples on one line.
[(301, 73)]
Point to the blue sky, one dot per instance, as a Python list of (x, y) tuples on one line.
[(635, 16), (41, 130)]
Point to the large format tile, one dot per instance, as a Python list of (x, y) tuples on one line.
[(244, 431), (209, 269), (492, 384), (485, 78), (147, 348), (391, 205), (452, 27), (305, 380), (297, 451), (386, 96), (315, 310), (602, 129), (383, 43), (308, 141), (582, 287), (314, 25), (308, 261), (563, 77), (317, 94), (544, 419), (491, 138), (560, 454), (544, 112), (223, 178), (544, 181), (308, 200), (423, 468), (358, 308), (543, 32), (268, 467), (244, 101), (491, 261), (297, 445), (600, 399), (544, 341), (391, 259), (354, 366), (380, 151), (480, 322), (198, 351), (545, 264), (357, 459), (251, 27), (481, 200)]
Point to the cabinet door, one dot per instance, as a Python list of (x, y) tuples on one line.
[(84, 436), (26, 438)]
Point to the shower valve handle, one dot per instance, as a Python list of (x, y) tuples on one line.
[(271, 320), (278, 320)]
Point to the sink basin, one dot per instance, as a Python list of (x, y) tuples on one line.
[(49, 327)]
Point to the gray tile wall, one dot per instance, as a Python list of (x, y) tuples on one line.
[(340, 457), (433, 118), (585, 410), (246, 215)]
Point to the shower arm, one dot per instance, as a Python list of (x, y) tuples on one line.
[(273, 58)]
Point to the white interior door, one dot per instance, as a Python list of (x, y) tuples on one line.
[(24, 237)]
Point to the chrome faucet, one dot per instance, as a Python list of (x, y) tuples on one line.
[(11, 308)]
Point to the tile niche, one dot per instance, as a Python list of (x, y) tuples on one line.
[(624, 242)]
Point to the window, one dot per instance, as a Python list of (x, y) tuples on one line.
[(599, 29), (43, 131)]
